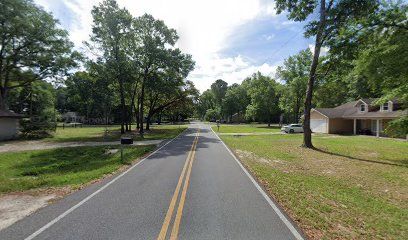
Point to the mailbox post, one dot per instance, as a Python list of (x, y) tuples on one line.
[(124, 141)]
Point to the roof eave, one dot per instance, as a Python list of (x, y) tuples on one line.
[(313, 109)]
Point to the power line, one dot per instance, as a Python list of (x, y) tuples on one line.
[(280, 47)]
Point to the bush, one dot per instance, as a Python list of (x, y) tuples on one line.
[(398, 127), (212, 114), (36, 128)]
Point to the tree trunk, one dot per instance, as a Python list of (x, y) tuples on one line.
[(142, 92), (123, 107), (148, 123), (159, 119), (130, 117), (297, 107), (3, 95), (307, 132), (136, 109)]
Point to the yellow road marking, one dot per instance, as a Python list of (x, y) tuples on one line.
[(177, 220), (167, 219)]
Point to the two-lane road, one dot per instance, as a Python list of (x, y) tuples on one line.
[(191, 188)]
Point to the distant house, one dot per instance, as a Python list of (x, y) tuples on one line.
[(237, 118), (72, 117), (9, 124), (357, 117)]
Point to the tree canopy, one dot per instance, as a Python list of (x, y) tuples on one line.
[(33, 47)]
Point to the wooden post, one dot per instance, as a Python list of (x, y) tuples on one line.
[(378, 128), (354, 126)]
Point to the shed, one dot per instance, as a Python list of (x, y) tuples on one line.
[(9, 124)]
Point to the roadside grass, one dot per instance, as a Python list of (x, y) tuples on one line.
[(351, 187), (246, 128), (62, 167), (97, 133)]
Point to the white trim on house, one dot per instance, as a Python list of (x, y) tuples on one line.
[(314, 110), (389, 107), (363, 110), (360, 100)]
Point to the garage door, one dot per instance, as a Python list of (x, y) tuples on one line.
[(318, 125)]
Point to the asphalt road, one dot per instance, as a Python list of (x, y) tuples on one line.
[(191, 188)]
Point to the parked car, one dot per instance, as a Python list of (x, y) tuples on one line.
[(292, 128)]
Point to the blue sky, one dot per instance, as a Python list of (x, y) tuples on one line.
[(228, 39)]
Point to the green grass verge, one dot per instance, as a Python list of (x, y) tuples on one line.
[(97, 133), (246, 128), (352, 187), (61, 167)]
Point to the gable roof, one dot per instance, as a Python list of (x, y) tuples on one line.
[(331, 112), (349, 110)]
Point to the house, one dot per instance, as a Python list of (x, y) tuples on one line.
[(9, 124), (72, 117), (237, 118), (357, 117)]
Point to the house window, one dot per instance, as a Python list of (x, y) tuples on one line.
[(385, 107), (362, 108)]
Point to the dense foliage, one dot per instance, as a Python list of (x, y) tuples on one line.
[(137, 74), (367, 58)]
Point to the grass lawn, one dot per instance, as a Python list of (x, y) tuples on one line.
[(97, 133), (246, 128), (62, 167), (352, 187)]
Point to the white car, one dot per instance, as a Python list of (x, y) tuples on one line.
[(292, 128)]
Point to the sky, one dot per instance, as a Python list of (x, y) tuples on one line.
[(228, 39)]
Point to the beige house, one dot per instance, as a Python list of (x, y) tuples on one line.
[(9, 125), (357, 117)]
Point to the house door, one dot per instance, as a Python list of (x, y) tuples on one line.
[(374, 126)]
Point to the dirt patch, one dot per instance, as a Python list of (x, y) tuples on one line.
[(17, 205), (254, 157)]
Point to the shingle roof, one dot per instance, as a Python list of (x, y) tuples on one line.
[(377, 114), (369, 101), (9, 114), (331, 112), (348, 110)]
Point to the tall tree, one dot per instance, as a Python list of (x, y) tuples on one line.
[(111, 31), (155, 41), (264, 98), (235, 101), (32, 47), (168, 86), (219, 89), (205, 101), (333, 16), (294, 73)]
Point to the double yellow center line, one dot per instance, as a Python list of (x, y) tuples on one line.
[(187, 167)]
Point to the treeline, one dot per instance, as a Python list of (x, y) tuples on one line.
[(256, 99), (366, 59), (131, 69)]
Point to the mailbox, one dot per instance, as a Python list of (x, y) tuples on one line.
[(126, 140)]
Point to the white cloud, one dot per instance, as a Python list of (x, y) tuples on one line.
[(268, 37), (270, 9), (204, 27), (285, 23), (232, 70), (323, 50)]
